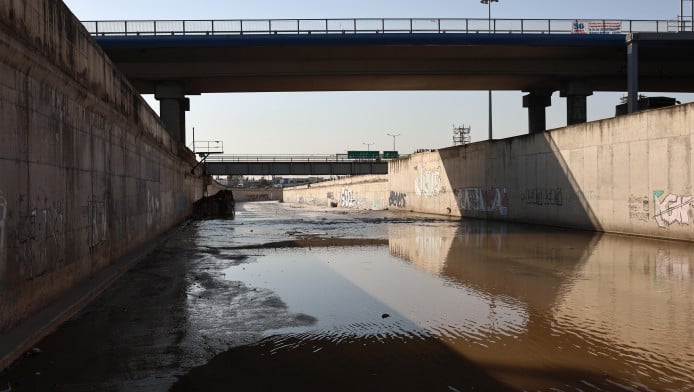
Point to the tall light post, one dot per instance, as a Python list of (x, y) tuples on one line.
[(394, 135), (489, 19), (682, 22), (368, 145)]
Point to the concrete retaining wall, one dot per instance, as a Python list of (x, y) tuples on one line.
[(630, 174), (260, 194), (87, 171), (361, 192)]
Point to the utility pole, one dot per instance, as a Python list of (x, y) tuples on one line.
[(682, 24), (394, 135), (489, 19), (368, 145)]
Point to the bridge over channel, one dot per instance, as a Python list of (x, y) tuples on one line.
[(304, 165), (175, 58)]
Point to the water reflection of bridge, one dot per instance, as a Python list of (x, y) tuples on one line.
[(592, 304)]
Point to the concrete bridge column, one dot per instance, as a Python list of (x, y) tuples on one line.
[(173, 106), (576, 102), (536, 102)]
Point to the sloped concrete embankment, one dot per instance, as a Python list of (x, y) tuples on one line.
[(260, 194), (631, 174), (362, 192), (88, 173)]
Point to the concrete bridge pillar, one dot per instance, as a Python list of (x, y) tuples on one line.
[(576, 93), (173, 106), (536, 102)]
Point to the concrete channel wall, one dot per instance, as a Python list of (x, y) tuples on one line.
[(259, 194), (360, 192), (632, 174), (88, 174)]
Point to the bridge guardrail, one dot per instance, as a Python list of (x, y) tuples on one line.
[(367, 25), (281, 158)]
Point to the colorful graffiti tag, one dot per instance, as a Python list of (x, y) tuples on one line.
[(671, 209), (476, 199)]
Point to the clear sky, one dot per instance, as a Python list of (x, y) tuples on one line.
[(333, 122)]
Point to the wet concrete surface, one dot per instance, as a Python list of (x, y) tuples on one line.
[(305, 298)]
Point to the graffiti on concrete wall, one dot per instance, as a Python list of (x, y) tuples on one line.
[(397, 199), (428, 182), (543, 196), (347, 199), (476, 199), (638, 208), (307, 200), (3, 216), (99, 223), (152, 208), (582, 195), (39, 239), (671, 209), (330, 195), (259, 197)]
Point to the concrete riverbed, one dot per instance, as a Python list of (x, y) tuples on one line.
[(292, 297)]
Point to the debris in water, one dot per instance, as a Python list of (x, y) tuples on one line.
[(220, 205), (385, 315)]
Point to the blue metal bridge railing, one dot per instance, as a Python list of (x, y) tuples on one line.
[(377, 26)]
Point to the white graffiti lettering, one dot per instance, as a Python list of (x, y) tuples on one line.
[(347, 199), (475, 199), (428, 182), (672, 209)]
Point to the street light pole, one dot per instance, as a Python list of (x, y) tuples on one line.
[(489, 27), (394, 136), (368, 145)]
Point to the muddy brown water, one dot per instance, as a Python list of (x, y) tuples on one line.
[(306, 298)]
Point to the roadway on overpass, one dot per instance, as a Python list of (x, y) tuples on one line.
[(384, 54), (303, 165), (173, 59)]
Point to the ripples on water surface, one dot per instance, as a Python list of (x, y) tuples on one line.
[(525, 307)]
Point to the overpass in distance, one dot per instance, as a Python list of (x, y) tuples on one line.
[(172, 59), (304, 165)]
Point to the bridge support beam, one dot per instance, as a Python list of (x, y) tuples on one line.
[(633, 72), (536, 102), (576, 93), (173, 106)]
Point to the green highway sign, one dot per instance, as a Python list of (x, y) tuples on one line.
[(390, 155)]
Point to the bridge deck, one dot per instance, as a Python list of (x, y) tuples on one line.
[(263, 165)]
